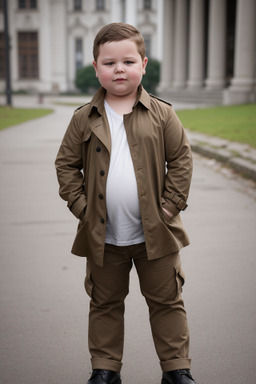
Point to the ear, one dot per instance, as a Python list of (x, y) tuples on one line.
[(95, 67), (144, 64)]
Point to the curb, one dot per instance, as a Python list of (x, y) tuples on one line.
[(241, 165)]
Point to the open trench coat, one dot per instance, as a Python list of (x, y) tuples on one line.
[(162, 162)]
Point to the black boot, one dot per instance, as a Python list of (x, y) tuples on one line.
[(101, 376), (181, 376)]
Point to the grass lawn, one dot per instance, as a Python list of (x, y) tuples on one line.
[(11, 116), (234, 123)]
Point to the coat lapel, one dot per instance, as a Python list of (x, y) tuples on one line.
[(101, 129)]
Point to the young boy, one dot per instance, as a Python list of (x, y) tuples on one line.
[(124, 168)]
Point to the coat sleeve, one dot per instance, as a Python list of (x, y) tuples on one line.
[(179, 163), (69, 164)]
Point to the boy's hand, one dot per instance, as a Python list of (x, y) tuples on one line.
[(168, 213)]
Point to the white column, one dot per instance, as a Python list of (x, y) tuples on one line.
[(44, 44), (116, 11), (130, 12), (196, 45), (180, 44), (58, 45), (217, 45), (168, 46), (245, 44), (160, 13)]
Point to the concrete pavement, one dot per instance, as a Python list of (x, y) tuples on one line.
[(44, 308)]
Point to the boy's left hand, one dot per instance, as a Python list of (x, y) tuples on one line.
[(168, 213)]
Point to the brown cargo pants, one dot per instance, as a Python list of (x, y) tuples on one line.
[(161, 284)]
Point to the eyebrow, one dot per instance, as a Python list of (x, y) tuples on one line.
[(124, 58)]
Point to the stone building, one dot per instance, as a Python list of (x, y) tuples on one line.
[(209, 51), (207, 47), (52, 39)]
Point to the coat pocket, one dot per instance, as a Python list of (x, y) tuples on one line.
[(167, 219)]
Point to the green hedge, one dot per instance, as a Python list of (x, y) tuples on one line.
[(152, 77)]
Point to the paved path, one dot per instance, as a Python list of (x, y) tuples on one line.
[(43, 321)]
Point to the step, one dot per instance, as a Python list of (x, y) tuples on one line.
[(193, 96)]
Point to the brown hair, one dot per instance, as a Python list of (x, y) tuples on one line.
[(117, 32)]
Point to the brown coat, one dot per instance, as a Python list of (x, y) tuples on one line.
[(162, 162)]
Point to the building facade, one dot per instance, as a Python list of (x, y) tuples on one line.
[(207, 47), (209, 50), (52, 39)]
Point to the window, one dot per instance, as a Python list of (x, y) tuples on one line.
[(2, 56), (22, 4), (28, 55), (100, 5), (77, 5), (147, 4), (27, 4), (79, 53)]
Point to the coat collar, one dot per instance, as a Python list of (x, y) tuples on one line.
[(97, 101)]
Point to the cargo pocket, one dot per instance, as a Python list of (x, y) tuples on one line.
[(88, 284), (180, 281)]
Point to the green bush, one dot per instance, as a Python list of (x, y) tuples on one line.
[(152, 77), (86, 80)]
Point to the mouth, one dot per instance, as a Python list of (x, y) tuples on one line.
[(121, 79)]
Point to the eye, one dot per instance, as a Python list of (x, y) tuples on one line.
[(128, 62), (109, 63)]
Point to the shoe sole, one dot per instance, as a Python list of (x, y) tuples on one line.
[(167, 382)]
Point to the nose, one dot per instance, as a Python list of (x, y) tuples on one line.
[(119, 68)]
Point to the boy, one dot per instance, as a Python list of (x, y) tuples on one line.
[(111, 168)]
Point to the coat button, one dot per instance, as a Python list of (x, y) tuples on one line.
[(102, 221), (98, 149), (100, 196), (102, 173)]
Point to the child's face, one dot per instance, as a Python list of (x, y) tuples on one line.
[(119, 67)]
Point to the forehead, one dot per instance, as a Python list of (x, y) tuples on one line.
[(116, 48)]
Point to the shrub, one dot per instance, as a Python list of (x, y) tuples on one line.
[(86, 80), (151, 78)]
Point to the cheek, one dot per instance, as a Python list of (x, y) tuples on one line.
[(136, 75), (104, 75)]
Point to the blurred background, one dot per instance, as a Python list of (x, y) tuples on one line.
[(202, 50)]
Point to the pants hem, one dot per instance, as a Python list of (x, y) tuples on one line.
[(111, 365), (173, 365)]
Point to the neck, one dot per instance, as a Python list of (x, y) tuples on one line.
[(121, 105)]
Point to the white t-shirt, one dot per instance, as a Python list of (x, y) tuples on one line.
[(124, 225)]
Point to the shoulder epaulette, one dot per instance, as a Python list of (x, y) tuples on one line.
[(158, 98), (81, 106)]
